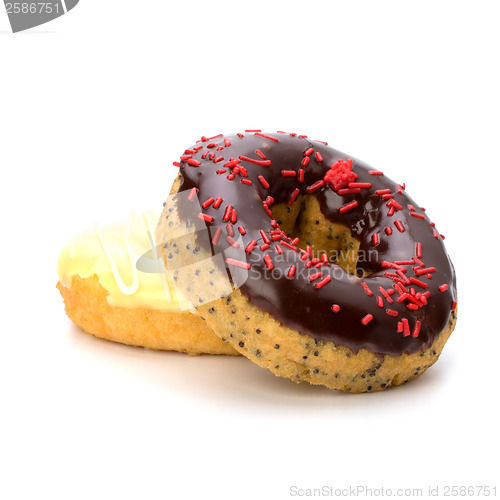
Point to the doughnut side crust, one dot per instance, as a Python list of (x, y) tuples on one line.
[(301, 358), (86, 305)]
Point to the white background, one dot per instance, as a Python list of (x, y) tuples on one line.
[(96, 105)]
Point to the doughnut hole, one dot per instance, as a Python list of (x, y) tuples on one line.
[(305, 220)]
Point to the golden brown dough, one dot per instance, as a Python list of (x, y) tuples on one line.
[(182, 331)]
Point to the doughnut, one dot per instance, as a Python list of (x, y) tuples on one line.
[(107, 297), (307, 261)]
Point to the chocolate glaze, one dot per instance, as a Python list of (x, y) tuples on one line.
[(295, 302)]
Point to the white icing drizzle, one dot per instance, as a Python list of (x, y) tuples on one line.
[(134, 286)]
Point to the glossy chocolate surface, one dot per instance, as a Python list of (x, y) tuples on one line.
[(296, 302)]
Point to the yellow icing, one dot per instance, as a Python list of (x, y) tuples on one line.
[(110, 253)]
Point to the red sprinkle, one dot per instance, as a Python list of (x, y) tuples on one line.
[(386, 294), (227, 213), (268, 261), (293, 196), (399, 226), (417, 216), (406, 327), (301, 175), (348, 206), (345, 191), (318, 156), (443, 288), (305, 161), (218, 202), (291, 271), (375, 239), (205, 217), (315, 186), (266, 136), (232, 242), (315, 276), (391, 312), (262, 163), (419, 272), (261, 154), (308, 152), (264, 237), (192, 194), (263, 182), (361, 185), (382, 191), (193, 162), (242, 230), (217, 236), (207, 203), (367, 319), (248, 182), (388, 231), (417, 282), (335, 308), (251, 246), (288, 173), (238, 263), (416, 329), (287, 245), (323, 282), (375, 172), (418, 250), (366, 288)]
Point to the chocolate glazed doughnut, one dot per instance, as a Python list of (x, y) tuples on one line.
[(363, 299)]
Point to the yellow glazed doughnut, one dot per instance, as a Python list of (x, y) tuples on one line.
[(107, 296)]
